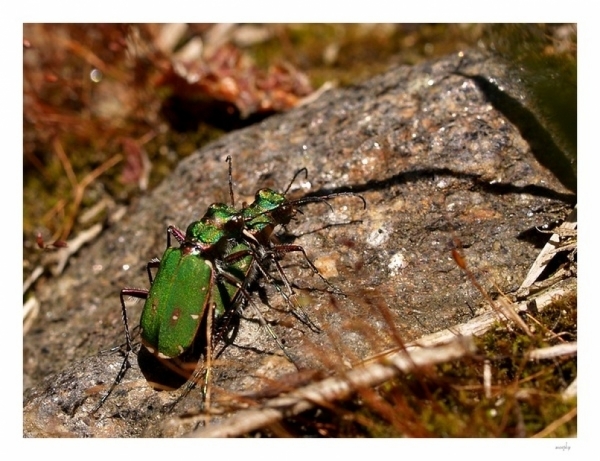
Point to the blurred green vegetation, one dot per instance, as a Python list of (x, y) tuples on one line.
[(105, 118)]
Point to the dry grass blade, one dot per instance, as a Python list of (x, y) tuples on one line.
[(503, 307), (482, 323), (549, 250), (571, 391), (559, 422), (31, 309)]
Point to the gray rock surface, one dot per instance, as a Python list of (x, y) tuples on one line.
[(435, 160)]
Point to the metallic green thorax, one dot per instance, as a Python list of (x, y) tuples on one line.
[(221, 222), (268, 209)]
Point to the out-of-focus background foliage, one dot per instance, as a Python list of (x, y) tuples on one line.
[(109, 109)]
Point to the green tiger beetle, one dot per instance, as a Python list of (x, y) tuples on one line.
[(195, 282), (269, 209), (205, 278), (261, 217), (213, 283)]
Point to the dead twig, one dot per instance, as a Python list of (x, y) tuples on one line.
[(337, 388), (559, 350), (73, 246)]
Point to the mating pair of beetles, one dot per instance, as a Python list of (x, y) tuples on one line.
[(206, 278)]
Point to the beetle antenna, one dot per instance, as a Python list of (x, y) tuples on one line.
[(294, 178), (324, 198), (228, 160)]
